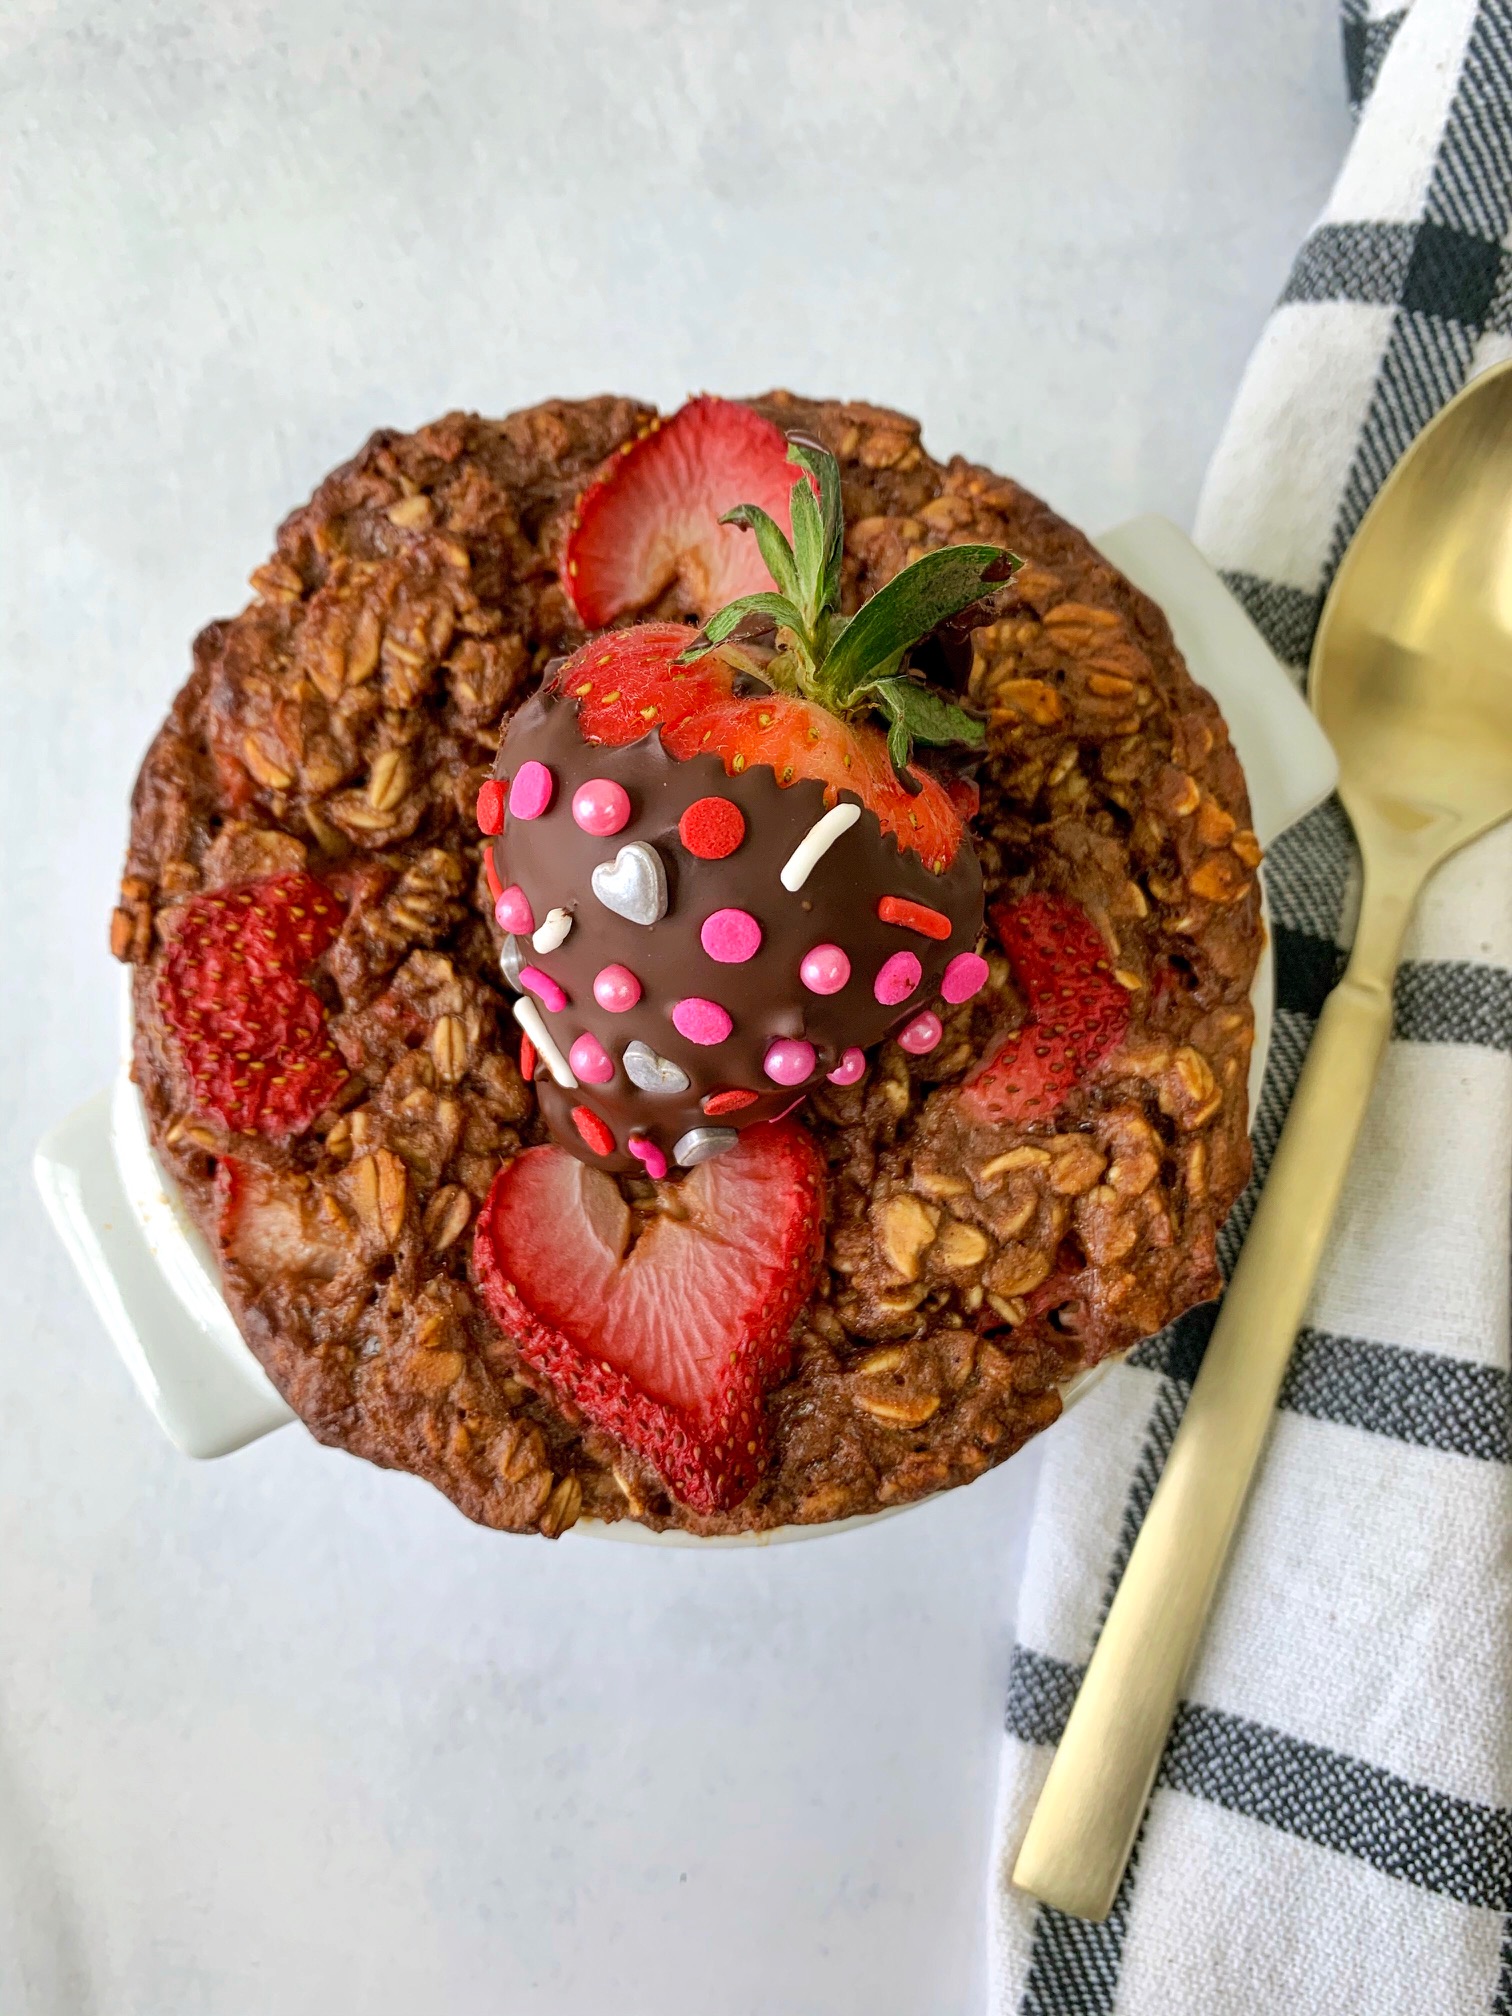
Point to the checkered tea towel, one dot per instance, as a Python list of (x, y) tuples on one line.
[(1331, 1829)]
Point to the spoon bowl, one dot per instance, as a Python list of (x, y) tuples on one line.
[(1412, 667)]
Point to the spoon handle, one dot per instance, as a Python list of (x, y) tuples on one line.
[(1094, 1797)]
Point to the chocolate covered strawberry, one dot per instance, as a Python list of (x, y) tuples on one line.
[(1076, 1012), (667, 1330), (721, 873), (250, 1032)]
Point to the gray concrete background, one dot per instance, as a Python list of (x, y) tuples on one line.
[(283, 1733)]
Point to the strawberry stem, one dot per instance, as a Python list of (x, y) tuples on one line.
[(848, 664)]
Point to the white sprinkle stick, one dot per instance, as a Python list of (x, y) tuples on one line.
[(554, 931), (816, 843), (530, 1020)]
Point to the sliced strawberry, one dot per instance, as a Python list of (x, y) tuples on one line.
[(252, 1035), (668, 1340), (627, 684), (651, 515), (1077, 1012), (275, 1227)]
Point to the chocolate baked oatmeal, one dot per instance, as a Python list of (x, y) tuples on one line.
[(927, 1127)]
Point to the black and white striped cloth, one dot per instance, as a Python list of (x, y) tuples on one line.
[(1332, 1824)]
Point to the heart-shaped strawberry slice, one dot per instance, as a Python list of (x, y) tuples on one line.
[(666, 1332), (652, 515)]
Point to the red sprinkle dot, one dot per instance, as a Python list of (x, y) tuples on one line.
[(593, 1130), (527, 1059), (728, 1102), (491, 807), (711, 828), (913, 917), (495, 886)]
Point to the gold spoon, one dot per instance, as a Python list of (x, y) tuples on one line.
[(1412, 682)]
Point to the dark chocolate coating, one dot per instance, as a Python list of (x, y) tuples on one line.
[(551, 858)]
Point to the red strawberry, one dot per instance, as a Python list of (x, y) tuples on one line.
[(651, 515), (667, 1340), (251, 1033), (721, 876), (1077, 1012), (276, 1226), (628, 683)]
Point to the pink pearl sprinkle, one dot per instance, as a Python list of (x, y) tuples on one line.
[(922, 1033), (964, 976), (589, 1059), (825, 970), (542, 984), (789, 1061), (615, 988), (601, 806), (897, 978), (850, 1067), (730, 936), (513, 912), (701, 1021), (532, 791), (648, 1152)]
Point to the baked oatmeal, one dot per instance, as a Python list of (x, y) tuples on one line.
[(1010, 1186)]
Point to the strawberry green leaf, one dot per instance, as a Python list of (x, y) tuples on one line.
[(776, 607), (808, 550), (908, 608), (775, 550), (818, 462), (919, 714)]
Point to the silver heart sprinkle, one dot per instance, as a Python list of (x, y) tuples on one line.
[(634, 884), (651, 1073), (511, 959), (554, 931), (702, 1144)]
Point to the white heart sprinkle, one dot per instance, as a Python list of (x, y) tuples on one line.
[(816, 843), (511, 959), (554, 931), (650, 1073), (634, 884), (702, 1144)]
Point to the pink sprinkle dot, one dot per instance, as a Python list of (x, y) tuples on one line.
[(601, 806), (921, 1034), (789, 1061), (701, 1021), (590, 1061), (615, 988), (532, 791), (730, 936), (648, 1152), (513, 912), (542, 984), (850, 1067), (825, 969), (964, 976), (897, 978)]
